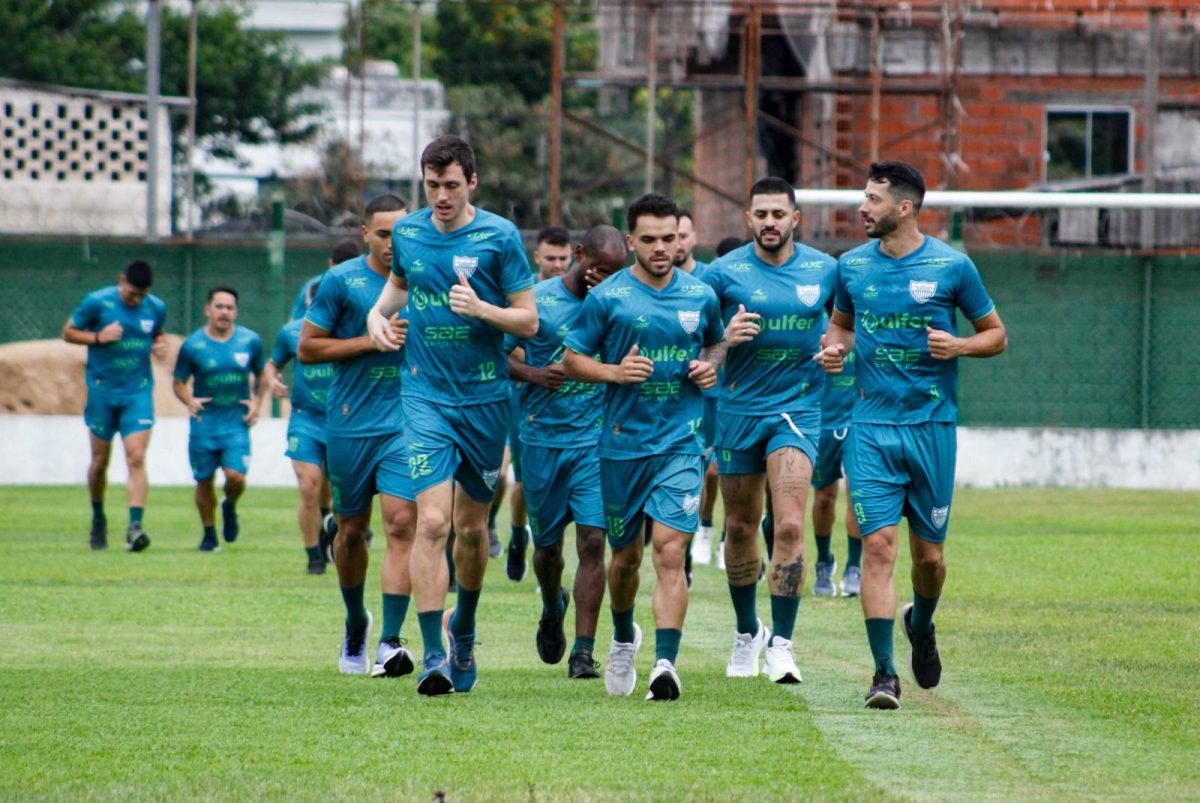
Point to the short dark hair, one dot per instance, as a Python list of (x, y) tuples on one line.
[(601, 238), (445, 151), (222, 288), (652, 204), (729, 244), (346, 249), (905, 180), (554, 235), (773, 185), (686, 213), (383, 203), (139, 274)]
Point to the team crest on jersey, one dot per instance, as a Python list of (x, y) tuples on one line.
[(922, 291), (939, 515), (147, 325), (242, 358), (691, 504), (465, 266), (808, 293), (689, 320), (490, 477)]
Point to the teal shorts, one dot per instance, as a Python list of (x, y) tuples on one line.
[(904, 471), (361, 467), (561, 486), (228, 449), (709, 428), (663, 487), (744, 441), (306, 438), (106, 415), (831, 455), (465, 444), (514, 439)]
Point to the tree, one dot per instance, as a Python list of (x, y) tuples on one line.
[(507, 44)]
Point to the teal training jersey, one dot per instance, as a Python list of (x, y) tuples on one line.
[(570, 416), (123, 366), (299, 306), (892, 301), (453, 359), (310, 383), (775, 372), (841, 391), (664, 414), (364, 393), (220, 370)]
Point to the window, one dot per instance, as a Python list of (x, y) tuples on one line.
[(1084, 143)]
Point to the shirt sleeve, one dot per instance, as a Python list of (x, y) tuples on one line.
[(258, 359), (183, 363), (714, 327), (970, 296), (323, 312), (585, 336), (281, 353), (515, 274), (86, 314), (841, 293), (397, 267), (511, 343)]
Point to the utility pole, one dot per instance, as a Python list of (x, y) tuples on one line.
[(153, 45)]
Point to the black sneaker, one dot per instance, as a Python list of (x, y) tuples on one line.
[(329, 528), (135, 538), (581, 665), (229, 522), (209, 544), (494, 548), (924, 661), (98, 535), (551, 640), (885, 691), (316, 566), (515, 566)]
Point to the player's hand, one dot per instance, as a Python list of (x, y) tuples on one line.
[(832, 358), (251, 416), (379, 329), (743, 327), (278, 389), (399, 329), (552, 376), (111, 333), (196, 405), (463, 299), (634, 368), (591, 278), (702, 373), (158, 348), (943, 345)]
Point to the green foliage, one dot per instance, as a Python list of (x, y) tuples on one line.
[(484, 42), (388, 35)]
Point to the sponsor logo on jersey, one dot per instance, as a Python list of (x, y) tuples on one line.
[(640, 322), (896, 320), (939, 516), (564, 330), (242, 358), (938, 262), (417, 266), (617, 292), (356, 282), (147, 325), (758, 295), (738, 267), (812, 264), (693, 289), (689, 320), (857, 262), (808, 293), (921, 291), (871, 292), (691, 503), (547, 300), (407, 231), (465, 266), (480, 236)]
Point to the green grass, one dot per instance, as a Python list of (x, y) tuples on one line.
[(1070, 631)]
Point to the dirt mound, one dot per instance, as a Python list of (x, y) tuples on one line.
[(45, 377)]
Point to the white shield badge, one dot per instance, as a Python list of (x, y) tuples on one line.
[(939, 516), (808, 293), (465, 266), (689, 320), (922, 291), (242, 358), (691, 503), (147, 325)]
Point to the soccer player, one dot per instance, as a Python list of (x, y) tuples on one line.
[(656, 336), (560, 427), (466, 280), (836, 405), (366, 449), (306, 431), (225, 363), (122, 327), (895, 309), (769, 419)]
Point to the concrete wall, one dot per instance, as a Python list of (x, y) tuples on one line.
[(53, 450)]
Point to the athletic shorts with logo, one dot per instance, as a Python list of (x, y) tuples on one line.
[(107, 414), (904, 471), (663, 487), (831, 457), (361, 467), (464, 443), (561, 486), (228, 449), (744, 441), (306, 438)]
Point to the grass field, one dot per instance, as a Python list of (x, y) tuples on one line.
[(1069, 628)]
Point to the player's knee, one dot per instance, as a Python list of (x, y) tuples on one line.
[(401, 524), (626, 562), (670, 554), (589, 545), (433, 524), (789, 529), (351, 534), (928, 562), (740, 528), (136, 461)]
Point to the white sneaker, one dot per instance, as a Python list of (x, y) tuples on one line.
[(720, 549), (620, 677), (780, 663), (664, 682), (391, 660), (702, 546), (743, 661), (354, 659)]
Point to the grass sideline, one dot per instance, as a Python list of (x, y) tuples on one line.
[(1070, 631)]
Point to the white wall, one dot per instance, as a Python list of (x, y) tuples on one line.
[(53, 450)]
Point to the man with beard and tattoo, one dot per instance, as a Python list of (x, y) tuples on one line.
[(895, 308), (769, 418)]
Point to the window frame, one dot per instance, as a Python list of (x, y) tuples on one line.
[(1089, 110)]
